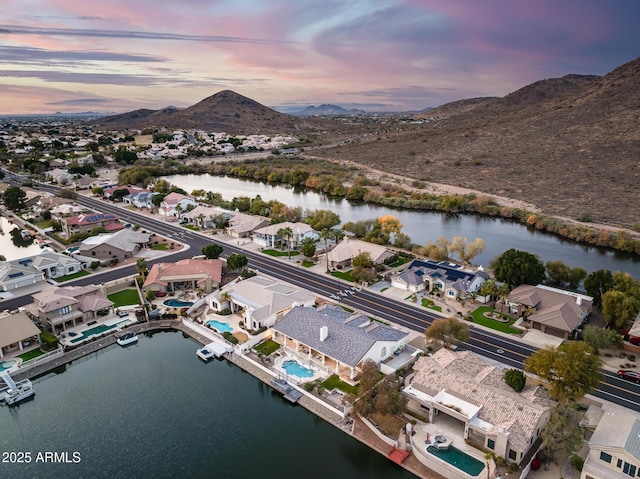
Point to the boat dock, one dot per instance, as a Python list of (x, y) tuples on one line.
[(290, 393)]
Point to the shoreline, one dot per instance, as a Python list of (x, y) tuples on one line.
[(358, 431)]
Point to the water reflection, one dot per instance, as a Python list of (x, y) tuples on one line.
[(422, 227)]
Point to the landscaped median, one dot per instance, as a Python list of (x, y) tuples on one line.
[(503, 324), (72, 276)]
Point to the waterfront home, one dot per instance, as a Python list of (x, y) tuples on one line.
[(614, 447), (260, 300), (140, 199), (344, 252), (17, 331), (205, 216), (550, 310), (46, 202), (337, 341), (187, 274), (491, 414), (15, 275), (268, 237), (114, 246), (59, 308), (86, 222), (453, 280), (175, 203), (242, 225)]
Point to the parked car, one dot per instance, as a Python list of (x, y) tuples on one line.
[(122, 314), (629, 375)]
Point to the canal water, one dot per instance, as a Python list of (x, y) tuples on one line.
[(422, 227), (11, 249), (154, 410)]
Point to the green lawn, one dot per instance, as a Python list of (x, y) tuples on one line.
[(43, 224), (31, 354), (334, 382), (124, 298), (342, 275), (400, 262), (160, 247), (275, 252), (71, 276), (307, 263), (267, 347), (427, 303), (478, 318), (192, 227)]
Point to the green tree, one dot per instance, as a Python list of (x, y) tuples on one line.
[(364, 404), (13, 198), (572, 370), (598, 283), (516, 379), (619, 308), (150, 295), (2, 258), (518, 267), (308, 247), (557, 272), (326, 234), (562, 433), (465, 251), (447, 330), (488, 288), (117, 195), (97, 191), (236, 262), (125, 156), (287, 234), (389, 399), (212, 251), (576, 276), (601, 338), (322, 219), (141, 266)]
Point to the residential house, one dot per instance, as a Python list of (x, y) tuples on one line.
[(336, 341), (188, 274), (114, 246), (47, 202), (550, 310), (204, 216), (59, 308), (17, 331), (86, 222), (462, 386), (176, 203), (344, 252), (59, 176), (453, 280), (262, 301), (83, 182), (242, 225), (268, 235), (108, 192), (65, 210), (52, 264), (14, 275), (614, 447), (140, 199)]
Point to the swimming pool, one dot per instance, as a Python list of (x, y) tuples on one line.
[(220, 326), (99, 329), (176, 303), (8, 364), (293, 367), (458, 459)]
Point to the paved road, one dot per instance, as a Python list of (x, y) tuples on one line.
[(497, 347)]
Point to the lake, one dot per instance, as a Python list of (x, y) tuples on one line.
[(8, 248), (155, 410), (422, 227)]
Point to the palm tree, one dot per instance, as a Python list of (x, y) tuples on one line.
[(286, 233), (201, 217), (141, 266), (326, 234), (503, 293), (179, 209)]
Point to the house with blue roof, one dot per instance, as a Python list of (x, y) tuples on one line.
[(140, 199), (452, 280), (336, 341)]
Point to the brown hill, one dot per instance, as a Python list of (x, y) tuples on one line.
[(569, 145), (225, 111)]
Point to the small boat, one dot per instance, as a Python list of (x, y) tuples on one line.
[(14, 392), (127, 338)]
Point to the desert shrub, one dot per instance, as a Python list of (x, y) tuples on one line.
[(577, 462)]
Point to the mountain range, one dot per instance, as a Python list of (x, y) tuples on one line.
[(570, 145)]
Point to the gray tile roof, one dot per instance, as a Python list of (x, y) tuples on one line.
[(345, 342), (632, 444)]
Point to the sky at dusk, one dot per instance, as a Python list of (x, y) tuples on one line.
[(377, 55)]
